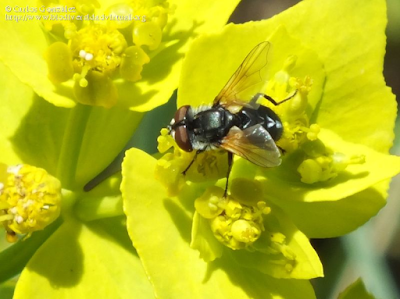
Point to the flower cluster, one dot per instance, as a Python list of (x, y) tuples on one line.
[(235, 224), (29, 200), (94, 53)]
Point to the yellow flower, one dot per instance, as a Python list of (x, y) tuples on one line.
[(29, 200), (101, 53)]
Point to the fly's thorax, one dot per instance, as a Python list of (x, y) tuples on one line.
[(211, 126)]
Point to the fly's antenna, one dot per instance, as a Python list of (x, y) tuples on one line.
[(174, 124)]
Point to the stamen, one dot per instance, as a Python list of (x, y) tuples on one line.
[(326, 166), (88, 56), (19, 219), (82, 53), (14, 169)]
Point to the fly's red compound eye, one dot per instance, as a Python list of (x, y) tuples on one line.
[(181, 132), (180, 114), (182, 138)]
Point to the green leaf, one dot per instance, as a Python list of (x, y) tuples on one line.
[(85, 260), (159, 228), (356, 290)]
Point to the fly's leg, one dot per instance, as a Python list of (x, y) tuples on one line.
[(230, 163), (283, 151), (194, 159), (258, 95)]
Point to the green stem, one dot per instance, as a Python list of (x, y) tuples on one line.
[(68, 200), (92, 208), (71, 145)]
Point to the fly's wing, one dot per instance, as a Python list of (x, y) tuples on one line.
[(254, 144), (246, 81)]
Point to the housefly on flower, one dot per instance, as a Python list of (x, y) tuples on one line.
[(235, 122)]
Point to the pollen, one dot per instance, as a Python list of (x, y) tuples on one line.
[(29, 200), (86, 56)]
